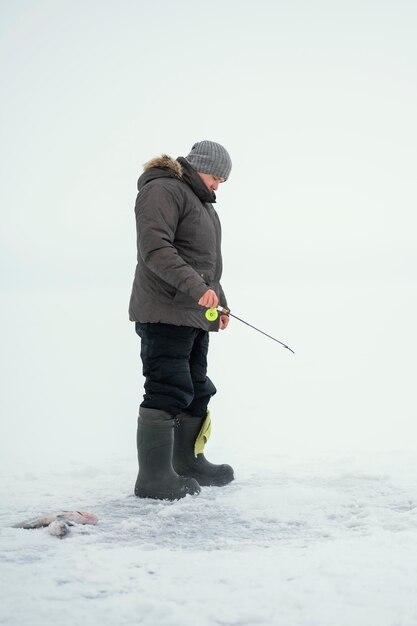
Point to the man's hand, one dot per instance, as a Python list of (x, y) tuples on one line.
[(209, 299), (224, 320)]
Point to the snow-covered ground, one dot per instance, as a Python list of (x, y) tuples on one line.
[(319, 248), (323, 541)]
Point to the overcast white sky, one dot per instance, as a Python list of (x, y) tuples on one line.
[(316, 102)]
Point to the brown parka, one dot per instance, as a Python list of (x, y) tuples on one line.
[(179, 246)]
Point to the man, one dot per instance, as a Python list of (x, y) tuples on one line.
[(177, 281)]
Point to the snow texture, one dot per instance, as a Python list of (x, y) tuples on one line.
[(319, 542)]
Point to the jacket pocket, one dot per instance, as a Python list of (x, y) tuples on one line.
[(184, 300), (206, 274)]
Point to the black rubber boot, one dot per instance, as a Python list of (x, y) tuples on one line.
[(157, 478), (187, 464)]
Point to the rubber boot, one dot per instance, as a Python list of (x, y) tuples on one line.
[(157, 478), (186, 463)]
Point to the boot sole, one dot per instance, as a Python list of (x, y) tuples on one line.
[(174, 494), (142, 493), (207, 481)]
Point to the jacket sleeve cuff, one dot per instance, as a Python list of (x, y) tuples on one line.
[(223, 299), (198, 291)]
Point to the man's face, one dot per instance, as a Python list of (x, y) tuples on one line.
[(212, 182)]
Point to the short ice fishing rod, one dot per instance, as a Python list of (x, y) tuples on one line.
[(212, 314)]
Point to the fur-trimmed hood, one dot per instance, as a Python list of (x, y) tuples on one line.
[(165, 166), (165, 161)]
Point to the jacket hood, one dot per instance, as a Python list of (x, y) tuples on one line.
[(160, 167), (167, 167)]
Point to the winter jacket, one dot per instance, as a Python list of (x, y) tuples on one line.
[(178, 242)]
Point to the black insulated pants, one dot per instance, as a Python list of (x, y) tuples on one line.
[(175, 368)]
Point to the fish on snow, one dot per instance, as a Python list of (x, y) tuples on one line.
[(58, 524)]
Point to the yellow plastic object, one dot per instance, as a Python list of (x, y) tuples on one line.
[(203, 435), (211, 315)]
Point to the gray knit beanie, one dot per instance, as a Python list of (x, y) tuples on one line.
[(209, 157)]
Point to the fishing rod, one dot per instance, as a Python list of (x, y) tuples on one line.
[(212, 314)]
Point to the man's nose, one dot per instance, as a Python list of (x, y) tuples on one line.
[(215, 185)]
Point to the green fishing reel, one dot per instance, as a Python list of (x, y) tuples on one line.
[(211, 315)]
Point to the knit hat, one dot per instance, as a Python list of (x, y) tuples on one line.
[(209, 157)]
